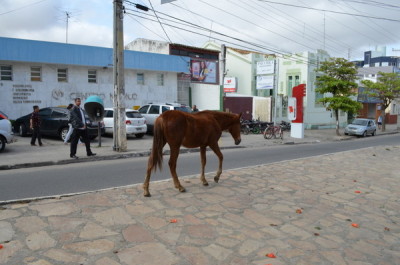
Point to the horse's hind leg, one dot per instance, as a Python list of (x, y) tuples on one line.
[(203, 164), (172, 167), (217, 151), (146, 183)]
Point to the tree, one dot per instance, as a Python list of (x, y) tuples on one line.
[(338, 79), (386, 89)]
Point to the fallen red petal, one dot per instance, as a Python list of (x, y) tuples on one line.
[(355, 225), (299, 211), (271, 255), (1, 246), (173, 221), (357, 191)]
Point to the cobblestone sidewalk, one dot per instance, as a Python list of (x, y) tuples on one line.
[(336, 209)]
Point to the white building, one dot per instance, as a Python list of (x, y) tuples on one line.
[(53, 74)]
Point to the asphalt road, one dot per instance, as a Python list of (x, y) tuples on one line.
[(18, 184)]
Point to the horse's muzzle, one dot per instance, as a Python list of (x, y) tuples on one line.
[(237, 141)]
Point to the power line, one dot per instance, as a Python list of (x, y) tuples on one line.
[(331, 11), (17, 9)]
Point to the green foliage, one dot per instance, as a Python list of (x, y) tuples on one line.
[(338, 78), (387, 88)]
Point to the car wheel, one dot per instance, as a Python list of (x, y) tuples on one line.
[(63, 133), (2, 144), (139, 135), (346, 134), (22, 130), (364, 134), (373, 133)]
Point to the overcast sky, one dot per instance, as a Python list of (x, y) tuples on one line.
[(341, 27)]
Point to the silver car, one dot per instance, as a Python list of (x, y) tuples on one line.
[(361, 127)]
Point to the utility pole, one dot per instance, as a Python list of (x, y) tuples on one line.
[(222, 75), (119, 133)]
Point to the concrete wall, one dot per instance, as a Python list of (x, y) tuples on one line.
[(206, 97), (18, 96)]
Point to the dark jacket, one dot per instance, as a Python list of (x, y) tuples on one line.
[(76, 118)]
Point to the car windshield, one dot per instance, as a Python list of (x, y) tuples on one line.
[(132, 114), (360, 122), (183, 108)]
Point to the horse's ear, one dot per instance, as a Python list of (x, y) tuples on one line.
[(240, 115)]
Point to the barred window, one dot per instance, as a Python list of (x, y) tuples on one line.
[(160, 79), (92, 76), (140, 79), (6, 72), (62, 74), (36, 73)]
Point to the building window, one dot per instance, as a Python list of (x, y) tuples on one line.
[(296, 80), (6, 72), (92, 76), (140, 79), (36, 73), (62, 75), (160, 79)]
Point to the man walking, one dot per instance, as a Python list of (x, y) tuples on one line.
[(78, 122), (35, 126)]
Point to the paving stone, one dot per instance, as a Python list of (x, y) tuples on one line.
[(218, 252), (147, 254), (9, 250), (137, 233), (30, 224), (65, 223), (39, 262), (113, 216), (193, 255), (8, 214), (52, 209), (107, 261), (92, 230), (92, 247), (60, 255), (6, 232), (40, 240)]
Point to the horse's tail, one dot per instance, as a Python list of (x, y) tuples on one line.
[(156, 156)]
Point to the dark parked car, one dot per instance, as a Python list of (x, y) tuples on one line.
[(54, 123)]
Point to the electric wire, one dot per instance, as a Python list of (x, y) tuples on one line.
[(331, 11)]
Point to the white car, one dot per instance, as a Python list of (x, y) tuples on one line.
[(135, 122), (6, 134), (151, 111)]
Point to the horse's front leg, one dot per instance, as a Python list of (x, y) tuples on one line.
[(172, 167), (217, 151), (203, 165)]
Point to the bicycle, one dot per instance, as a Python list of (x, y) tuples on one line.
[(273, 131)]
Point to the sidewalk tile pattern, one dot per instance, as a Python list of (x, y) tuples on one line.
[(302, 211)]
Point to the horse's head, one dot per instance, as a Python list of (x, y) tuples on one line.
[(234, 129)]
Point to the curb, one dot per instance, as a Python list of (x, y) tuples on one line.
[(101, 158), (147, 153)]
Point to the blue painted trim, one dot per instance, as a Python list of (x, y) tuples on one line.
[(21, 50)]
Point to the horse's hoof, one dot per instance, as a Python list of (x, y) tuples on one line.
[(205, 183), (147, 194), (216, 179), (182, 189)]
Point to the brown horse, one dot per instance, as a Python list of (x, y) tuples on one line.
[(201, 129)]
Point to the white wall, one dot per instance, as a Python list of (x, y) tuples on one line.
[(18, 96), (205, 96)]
